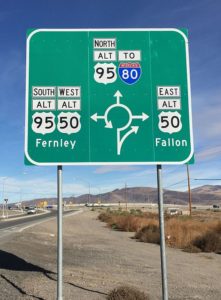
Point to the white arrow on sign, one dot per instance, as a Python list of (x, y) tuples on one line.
[(143, 117), (120, 141), (108, 124), (95, 117), (118, 95)]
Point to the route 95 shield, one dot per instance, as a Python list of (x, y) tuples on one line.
[(170, 122), (43, 122), (105, 73), (129, 72)]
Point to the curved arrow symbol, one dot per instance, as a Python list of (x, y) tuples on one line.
[(95, 117), (108, 124), (120, 141)]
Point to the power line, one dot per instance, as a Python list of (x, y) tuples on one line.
[(27, 193), (173, 170), (176, 183), (207, 179)]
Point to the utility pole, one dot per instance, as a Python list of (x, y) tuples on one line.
[(189, 189), (3, 196), (6, 208), (125, 194), (89, 198)]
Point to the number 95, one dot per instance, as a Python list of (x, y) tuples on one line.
[(43, 122)]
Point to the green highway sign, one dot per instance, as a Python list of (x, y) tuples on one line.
[(118, 96)]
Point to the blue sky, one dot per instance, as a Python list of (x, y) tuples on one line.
[(201, 18)]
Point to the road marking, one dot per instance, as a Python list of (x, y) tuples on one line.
[(25, 216), (48, 219)]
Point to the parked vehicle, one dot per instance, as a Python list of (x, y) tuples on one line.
[(173, 211), (31, 210), (215, 206)]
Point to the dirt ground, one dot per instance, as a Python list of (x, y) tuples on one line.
[(96, 260)]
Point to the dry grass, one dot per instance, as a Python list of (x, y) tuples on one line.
[(210, 241), (127, 293), (149, 234), (188, 233), (127, 221), (182, 233)]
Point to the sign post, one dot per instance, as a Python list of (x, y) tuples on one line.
[(59, 234), (108, 96), (162, 234)]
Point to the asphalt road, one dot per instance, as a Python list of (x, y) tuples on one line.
[(29, 219)]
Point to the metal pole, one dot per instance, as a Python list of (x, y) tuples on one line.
[(89, 192), (189, 189), (59, 233), (3, 201), (3, 210), (125, 195), (162, 235), (6, 208)]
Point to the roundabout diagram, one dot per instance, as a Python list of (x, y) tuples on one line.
[(123, 130)]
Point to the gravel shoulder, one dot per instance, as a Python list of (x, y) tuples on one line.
[(96, 260)]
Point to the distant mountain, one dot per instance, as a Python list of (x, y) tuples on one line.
[(208, 189), (207, 194)]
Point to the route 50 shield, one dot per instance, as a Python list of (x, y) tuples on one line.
[(170, 122), (69, 122), (129, 72)]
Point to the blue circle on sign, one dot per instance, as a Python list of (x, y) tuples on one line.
[(129, 72)]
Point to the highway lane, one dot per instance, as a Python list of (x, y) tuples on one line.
[(29, 219)]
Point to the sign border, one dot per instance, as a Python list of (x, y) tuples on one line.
[(107, 163)]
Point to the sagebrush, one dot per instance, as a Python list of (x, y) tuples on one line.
[(192, 235)]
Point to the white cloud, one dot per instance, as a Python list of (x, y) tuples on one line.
[(208, 153), (15, 189), (206, 118), (109, 169)]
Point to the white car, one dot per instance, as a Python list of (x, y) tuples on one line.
[(31, 211)]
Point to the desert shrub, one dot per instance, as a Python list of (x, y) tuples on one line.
[(217, 228), (187, 233), (124, 220), (191, 249), (136, 212), (114, 226), (104, 217), (127, 293), (208, 242), (149, 234), (127, 222), (180, 232)]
